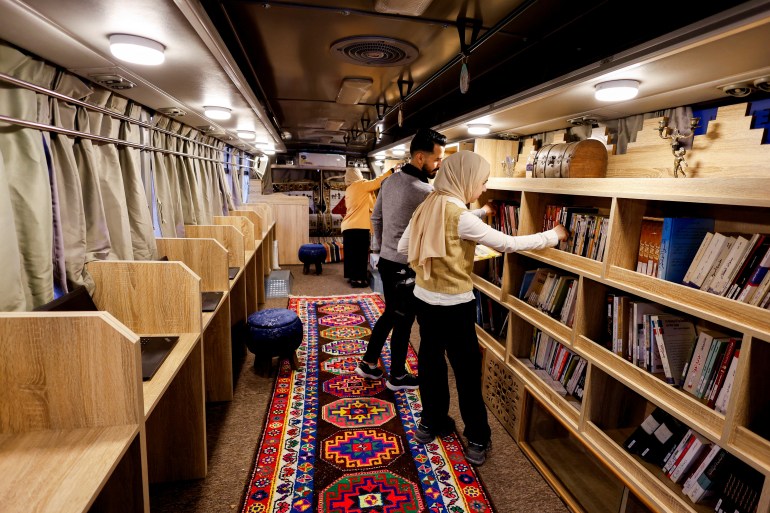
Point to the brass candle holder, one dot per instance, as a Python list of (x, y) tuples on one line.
[(677, 138)]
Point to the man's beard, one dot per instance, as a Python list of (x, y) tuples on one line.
[(430, 173)]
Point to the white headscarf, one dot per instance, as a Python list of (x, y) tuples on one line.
[(460, 176), (353, 174)]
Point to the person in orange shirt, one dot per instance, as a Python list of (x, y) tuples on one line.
[(360, 196)]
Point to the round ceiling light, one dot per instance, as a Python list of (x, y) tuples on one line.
[(616, 90), (137, 50), (478, 128), (218, 113), (246, 135)]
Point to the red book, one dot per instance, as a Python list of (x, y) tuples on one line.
[(719, 380)]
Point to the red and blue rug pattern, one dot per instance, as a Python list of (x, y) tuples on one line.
[(334, 442)]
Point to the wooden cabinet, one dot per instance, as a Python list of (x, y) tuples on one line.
[(617, 393)]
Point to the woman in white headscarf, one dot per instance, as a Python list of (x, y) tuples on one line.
[(440, 242), (357, 225)]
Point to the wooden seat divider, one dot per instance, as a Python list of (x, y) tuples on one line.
[(71, 418), (208, 259), (232, 239), (163, 298), (265, 213), (246, 227), (263, 249)]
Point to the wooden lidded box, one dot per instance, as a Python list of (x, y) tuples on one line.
[(581, 159)]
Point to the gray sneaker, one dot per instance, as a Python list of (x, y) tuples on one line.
[(405, 382), (476, 454), (425, 435)]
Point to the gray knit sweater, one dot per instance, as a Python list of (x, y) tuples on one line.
[(399, 197)]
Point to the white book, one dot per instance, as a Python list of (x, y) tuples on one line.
[(690, 481), (724, 395), (690, 458), (698, 360), (761, 291), (640, 309), (671, 461), (696, 260), (715, 268), (735, 259), (706, 263), (675, 336)]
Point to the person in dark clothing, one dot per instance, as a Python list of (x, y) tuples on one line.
[(399, 197)]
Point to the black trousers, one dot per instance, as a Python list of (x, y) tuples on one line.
[(450, 331), (398, 316), (355, 244)]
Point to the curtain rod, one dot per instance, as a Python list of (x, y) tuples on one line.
[(50, 128), (100, 138)]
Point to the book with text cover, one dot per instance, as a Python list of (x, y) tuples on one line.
[(649, 245), (674, 336), (679, 243), (706, 263), (697, 258), (752, 259), (694, 368), (637, 441)]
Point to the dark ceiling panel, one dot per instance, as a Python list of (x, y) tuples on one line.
[(284, 51)]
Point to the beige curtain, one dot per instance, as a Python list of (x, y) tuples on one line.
[(235, 178), (139, 212), (192, 171), (25, 193), (182, 178), (108, 170), (167, 196)]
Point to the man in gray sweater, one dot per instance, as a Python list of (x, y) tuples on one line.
[(399, 196)]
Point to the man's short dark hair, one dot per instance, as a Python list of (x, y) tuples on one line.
[(425, 139)]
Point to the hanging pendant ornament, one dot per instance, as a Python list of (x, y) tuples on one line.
[(464, 76), (400, 117)]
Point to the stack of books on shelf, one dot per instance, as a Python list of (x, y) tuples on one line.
[(667, 245), (710, 372), (560, 368), (587, 227), (550, 291), (649, 246), (733, 266), (706, 471)]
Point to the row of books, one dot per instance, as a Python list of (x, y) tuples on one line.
[(562, 369), (734, 266), (667, 245), (700, 360), (552, 292), (491, 315), (506, 219), (706, 471), (588, 229)]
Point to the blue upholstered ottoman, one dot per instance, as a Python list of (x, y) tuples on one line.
[(312, 254), (273, 332)]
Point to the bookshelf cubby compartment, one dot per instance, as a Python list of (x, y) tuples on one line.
[(622, 411), (750, 404), (737, 205), (493, 330), (569, 465)]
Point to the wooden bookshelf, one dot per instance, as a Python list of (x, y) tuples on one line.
[(738, 204), (71, 417)]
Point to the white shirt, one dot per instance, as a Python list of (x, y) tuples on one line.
[(472, 227)]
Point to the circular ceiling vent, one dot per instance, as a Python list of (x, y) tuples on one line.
[(374, 51)]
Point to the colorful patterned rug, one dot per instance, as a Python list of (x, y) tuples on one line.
[(334, 442)]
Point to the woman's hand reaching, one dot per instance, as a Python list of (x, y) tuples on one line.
[(561, 232)]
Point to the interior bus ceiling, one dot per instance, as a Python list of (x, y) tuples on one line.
[(533, 65)]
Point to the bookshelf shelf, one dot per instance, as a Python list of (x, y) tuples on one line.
[(490, 342), (539, 319), (568, 411), (696, 414), (737, 205), (567, 261)]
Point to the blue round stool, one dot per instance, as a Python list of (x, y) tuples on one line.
[(312, 254), (274, 332)]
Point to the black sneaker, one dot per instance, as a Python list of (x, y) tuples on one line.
[(476, 454), (365, 371), (425, 435), (405, 382)]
